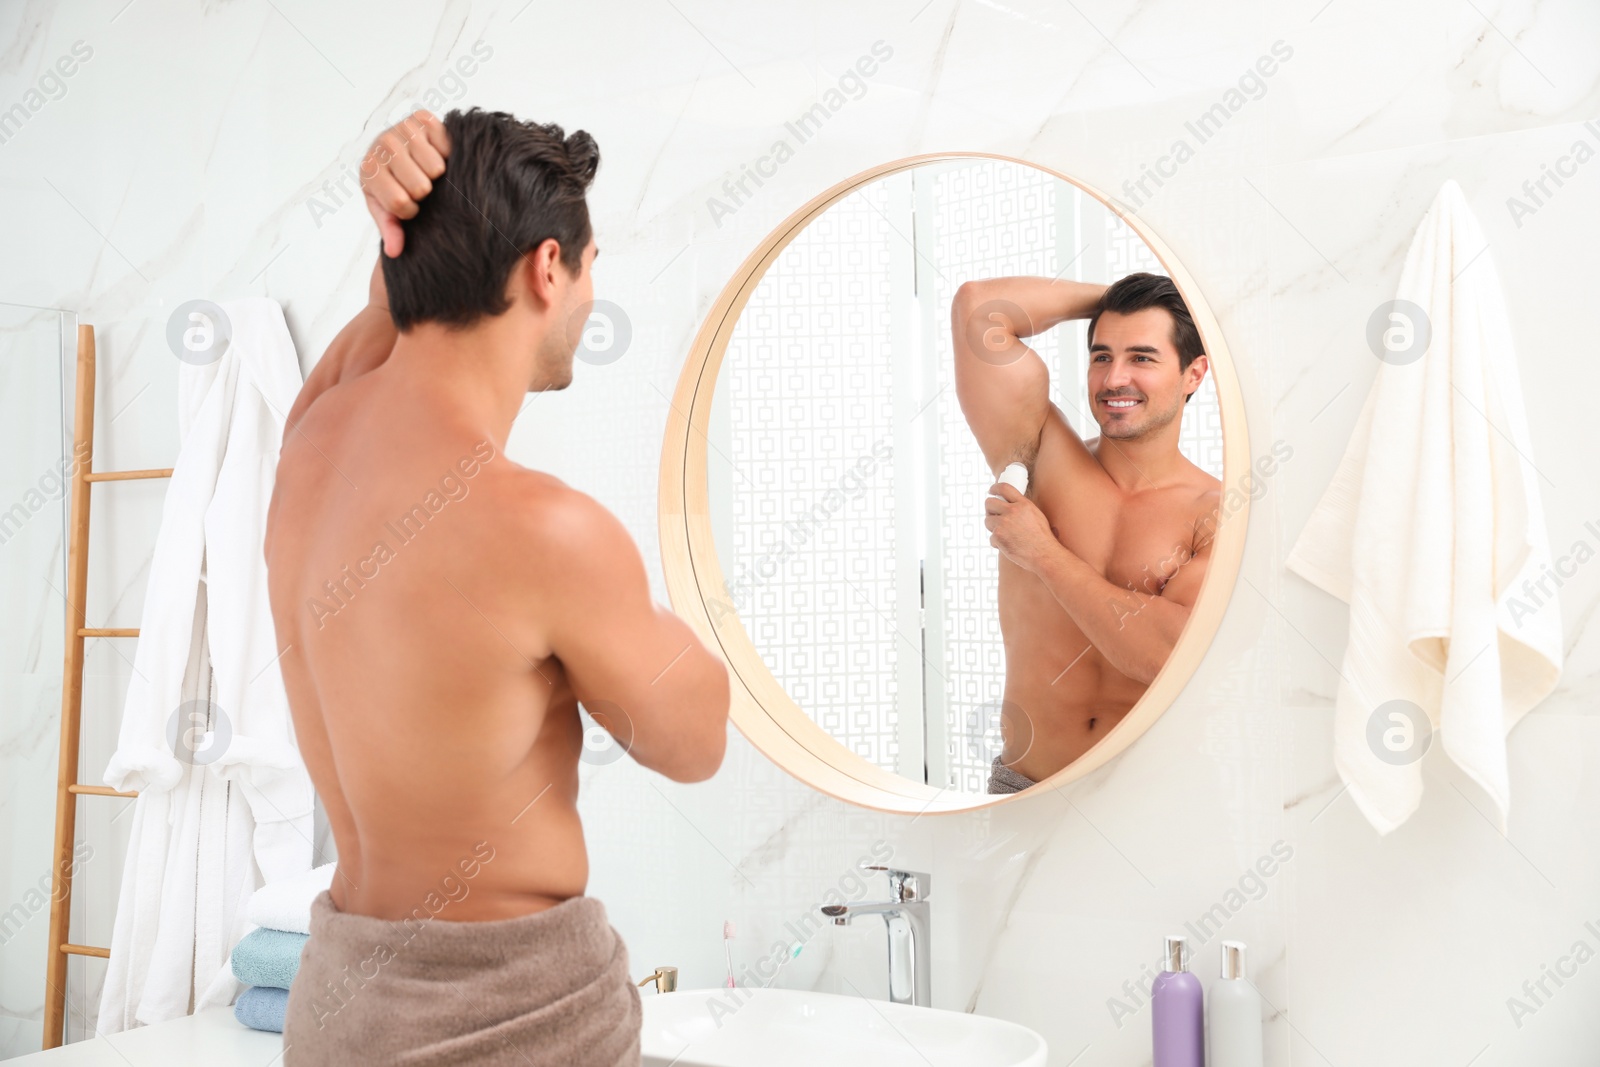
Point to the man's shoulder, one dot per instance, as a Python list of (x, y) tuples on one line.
[(544, 511), (1207, 489)]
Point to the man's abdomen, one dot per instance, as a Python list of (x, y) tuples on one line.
[(1061, 694)]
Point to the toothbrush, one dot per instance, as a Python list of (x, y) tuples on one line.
[(727, 949)]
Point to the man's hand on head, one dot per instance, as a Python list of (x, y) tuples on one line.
[(398, 170)]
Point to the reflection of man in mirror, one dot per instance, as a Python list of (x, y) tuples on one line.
[(1103, 556)]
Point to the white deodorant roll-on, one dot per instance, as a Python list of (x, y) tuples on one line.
[(1015, 475)]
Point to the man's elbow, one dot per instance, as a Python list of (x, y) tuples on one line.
[(967, 297), (705, 761), (1149, 667), (703, 758)]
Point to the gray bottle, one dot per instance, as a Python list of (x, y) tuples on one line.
[(1234, 1014)]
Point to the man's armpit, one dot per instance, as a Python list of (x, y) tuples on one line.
[(1025, 453)]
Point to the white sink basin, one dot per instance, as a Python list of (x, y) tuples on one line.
[(791, 1028)]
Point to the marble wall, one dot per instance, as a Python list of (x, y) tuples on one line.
[(207, 151)]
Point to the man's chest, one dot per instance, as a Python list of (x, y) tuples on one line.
[(1136, 542)]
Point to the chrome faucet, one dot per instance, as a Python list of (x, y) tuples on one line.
[(905, 919)]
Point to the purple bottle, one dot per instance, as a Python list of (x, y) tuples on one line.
[(1175, 1011)]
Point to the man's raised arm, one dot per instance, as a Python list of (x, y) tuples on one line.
[(1002, 384), (397, 171), (363, 344)]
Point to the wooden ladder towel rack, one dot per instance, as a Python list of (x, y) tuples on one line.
[(68, 788)]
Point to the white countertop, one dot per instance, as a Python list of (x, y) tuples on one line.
[(213, 1038)]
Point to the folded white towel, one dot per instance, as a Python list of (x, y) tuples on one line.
[(1430, 530), (286, 903)]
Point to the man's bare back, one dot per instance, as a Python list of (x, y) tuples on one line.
[(428, 707), (443, 609), (1104, 556)]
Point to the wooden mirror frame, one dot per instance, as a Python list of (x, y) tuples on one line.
[(760, 707)]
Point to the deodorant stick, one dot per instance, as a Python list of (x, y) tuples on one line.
[(1015, 475)]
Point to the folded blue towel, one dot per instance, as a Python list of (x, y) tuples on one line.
[(261, 1008), (268, 957)]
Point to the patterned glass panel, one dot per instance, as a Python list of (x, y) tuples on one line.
[(811, 393)]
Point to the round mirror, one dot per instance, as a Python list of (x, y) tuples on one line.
[(903, 631)]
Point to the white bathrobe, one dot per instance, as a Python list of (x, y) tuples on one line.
[(1430, 530), (208, 829)]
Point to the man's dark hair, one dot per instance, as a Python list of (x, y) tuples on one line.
[(1142, 290), (507, 187)]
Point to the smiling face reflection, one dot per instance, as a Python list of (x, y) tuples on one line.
[(1135, 374)]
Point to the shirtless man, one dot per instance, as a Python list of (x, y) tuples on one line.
[(1102, 559), (443, 610)]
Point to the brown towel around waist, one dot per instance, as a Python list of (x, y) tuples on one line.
[(540, 990), (1003, 779)]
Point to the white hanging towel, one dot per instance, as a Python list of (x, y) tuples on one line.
[(1433, 532), (224, 803)]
